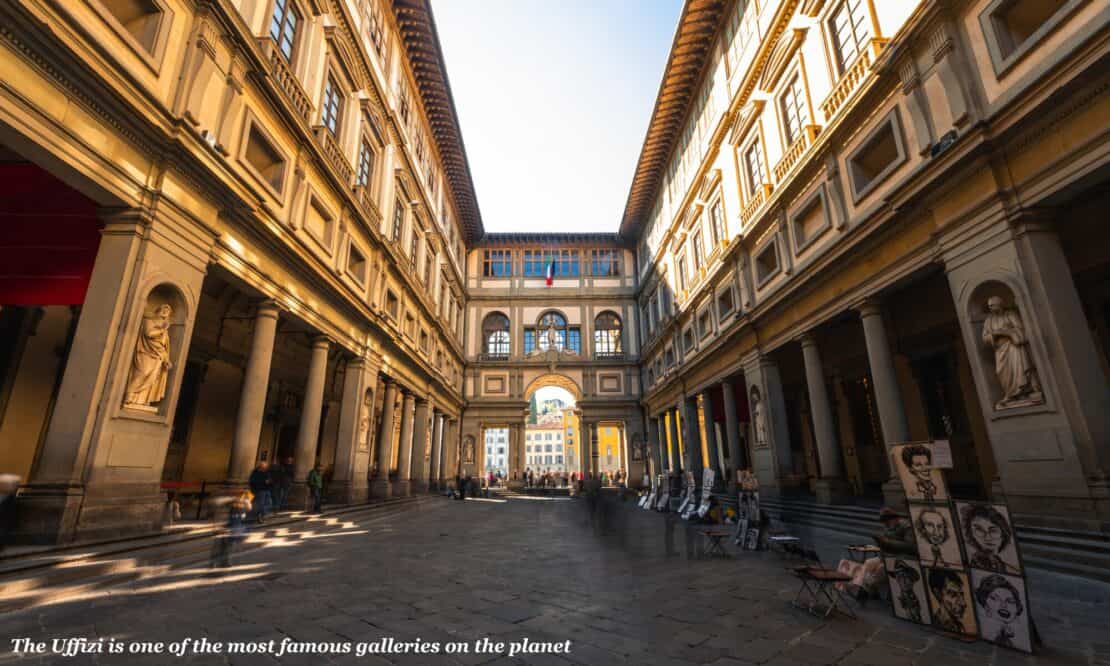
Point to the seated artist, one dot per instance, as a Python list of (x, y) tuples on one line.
[(895, 538)]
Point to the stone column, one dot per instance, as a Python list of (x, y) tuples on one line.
[(676, 449), (381, 485), (404, 459), (888, 394), (710, 432), (451, 450), (830, 488), (435, 476), (692, 439), (653, 446), (349, 484), (252, 400), (732, 433), (308, 431), (420, 468), (659, 426)]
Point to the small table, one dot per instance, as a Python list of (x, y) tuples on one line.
[(861, 552), (820, 583), (786, 544), (714, 541)]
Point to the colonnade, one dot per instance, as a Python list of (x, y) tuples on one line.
[(426, 435)]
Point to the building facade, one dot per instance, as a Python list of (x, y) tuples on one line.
[(245, 230), (860, 223), (236, 232)]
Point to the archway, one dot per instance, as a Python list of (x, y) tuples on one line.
[(554, 379)]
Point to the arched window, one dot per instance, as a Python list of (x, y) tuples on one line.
[(551, 330), (607, 335), (495, 335)]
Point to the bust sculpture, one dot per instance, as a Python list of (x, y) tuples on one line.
[(1004, 331), (150, 364)]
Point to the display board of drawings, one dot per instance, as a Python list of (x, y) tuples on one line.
[(968, 577), (748, 521)]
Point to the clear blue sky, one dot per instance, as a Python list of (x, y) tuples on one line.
[(554, 100)]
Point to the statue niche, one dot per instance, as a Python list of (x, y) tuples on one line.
[(1004, 332), (759, 419), (150, 362)]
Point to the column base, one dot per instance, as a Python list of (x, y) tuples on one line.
[(832, 491), (402, 488), (348, 492), (381, 488), (53, 514)]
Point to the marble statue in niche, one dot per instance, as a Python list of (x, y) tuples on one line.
[(759, 419), (1004, 332), (364, 423), (150, 364)]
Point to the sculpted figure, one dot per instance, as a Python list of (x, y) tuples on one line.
[(364, 422), (150, 365), (759, 418), (1004, 332)]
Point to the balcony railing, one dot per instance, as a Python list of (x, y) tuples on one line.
[(753, 205), (851, 78), (794, 153), (493, 357), (334, 153), (609, 355), (286, 79)]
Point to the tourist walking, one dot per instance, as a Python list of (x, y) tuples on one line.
[(259, 483), (315, 482), (281, 480), (235, 531)]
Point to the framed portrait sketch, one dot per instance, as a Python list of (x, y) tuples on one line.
[(950, 601), (921, 481), (1002, 607), (907, 589), (935, 533), (988, 537)]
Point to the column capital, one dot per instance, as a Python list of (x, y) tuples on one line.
[(808, 339), (321, 341), (267, 308), (870, 307)]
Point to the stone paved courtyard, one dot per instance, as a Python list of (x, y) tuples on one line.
[(627, 586)]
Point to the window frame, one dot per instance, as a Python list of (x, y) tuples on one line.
[(331, 106), (289, 7), (859, 43), (608, 344)]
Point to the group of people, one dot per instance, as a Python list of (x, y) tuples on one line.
[(546, 479), (270, 486)]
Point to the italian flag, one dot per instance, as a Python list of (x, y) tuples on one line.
[(550, 272)]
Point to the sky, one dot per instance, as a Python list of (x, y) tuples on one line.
[(554, 99)]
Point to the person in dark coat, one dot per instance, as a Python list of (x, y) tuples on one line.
[(259, 483), (315, 483)]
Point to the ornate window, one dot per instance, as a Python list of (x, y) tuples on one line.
[(795, 116), (495, 334), (333, 104), (699, 250), (681, 270), (398, 220), (753, 162), (607, 335), (851, 29), (717, 222), (283, 27), (365, 164)]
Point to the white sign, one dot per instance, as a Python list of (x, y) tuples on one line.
[(942, 454)]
